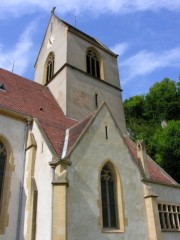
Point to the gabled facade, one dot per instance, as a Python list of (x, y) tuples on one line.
[(68, 170)]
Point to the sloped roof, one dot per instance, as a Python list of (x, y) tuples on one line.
[(95, 40), (76, 130), (32, 99), (156, 173), (28, 98), (77, 31)]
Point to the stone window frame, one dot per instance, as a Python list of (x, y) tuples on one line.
[(3, 157), (120, 228), (49, 67), (6, 192), (169, 216), (93, 63)]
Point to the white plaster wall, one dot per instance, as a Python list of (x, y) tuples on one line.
[(83, 192), (169, 195), (58, 88), (13, 131), (59, 31), (171, 235), (77, 48), (81, 90), (43, 178)]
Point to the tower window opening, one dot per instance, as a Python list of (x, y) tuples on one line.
[(93, 66), (50, 68)]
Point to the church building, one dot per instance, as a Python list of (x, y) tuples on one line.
[(68, 170)]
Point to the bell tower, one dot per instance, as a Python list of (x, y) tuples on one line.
[(80, 72)]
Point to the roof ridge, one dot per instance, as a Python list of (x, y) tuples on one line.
[(83, 120), (22, 78), (97, 41)]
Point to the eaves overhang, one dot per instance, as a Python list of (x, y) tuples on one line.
[(14, 114)]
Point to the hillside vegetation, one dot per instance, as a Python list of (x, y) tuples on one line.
[(155, 118)]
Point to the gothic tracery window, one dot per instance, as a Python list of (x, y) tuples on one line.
[(108, 198), (50, 68), (2, 167), (93, 66)]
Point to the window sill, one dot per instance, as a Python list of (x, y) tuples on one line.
[(170, 230), (107, 230)]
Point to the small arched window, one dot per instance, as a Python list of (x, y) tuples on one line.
[(3, 156), (109, 198), (50, 68), (93, 66)]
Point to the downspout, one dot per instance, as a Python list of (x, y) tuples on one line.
[(22, 180)]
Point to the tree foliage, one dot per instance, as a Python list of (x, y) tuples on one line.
[(144, 117), (163, 101), (166, 145)]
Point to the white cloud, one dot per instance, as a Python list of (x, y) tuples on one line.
[(145, 62), (19, 54), (120, 48), (20, 7)]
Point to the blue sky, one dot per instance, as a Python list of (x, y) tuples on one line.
[(145, 34)]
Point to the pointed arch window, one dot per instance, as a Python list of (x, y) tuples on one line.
[(3, 156), (50, 68), (108, 198), (92, 62)]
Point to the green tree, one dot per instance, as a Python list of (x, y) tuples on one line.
[(166, 145), (134, 107), (134, 112), (162, 101), (144, 115)]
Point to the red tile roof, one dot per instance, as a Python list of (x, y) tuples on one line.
[(32, 99), (156, 173), (76, 130)]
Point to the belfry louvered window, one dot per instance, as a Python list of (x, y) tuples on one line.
[(108, 197), (93, 66), (2, 167), (50, 68)]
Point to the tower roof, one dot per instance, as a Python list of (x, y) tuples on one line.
[(80, 33), (94, 40)]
